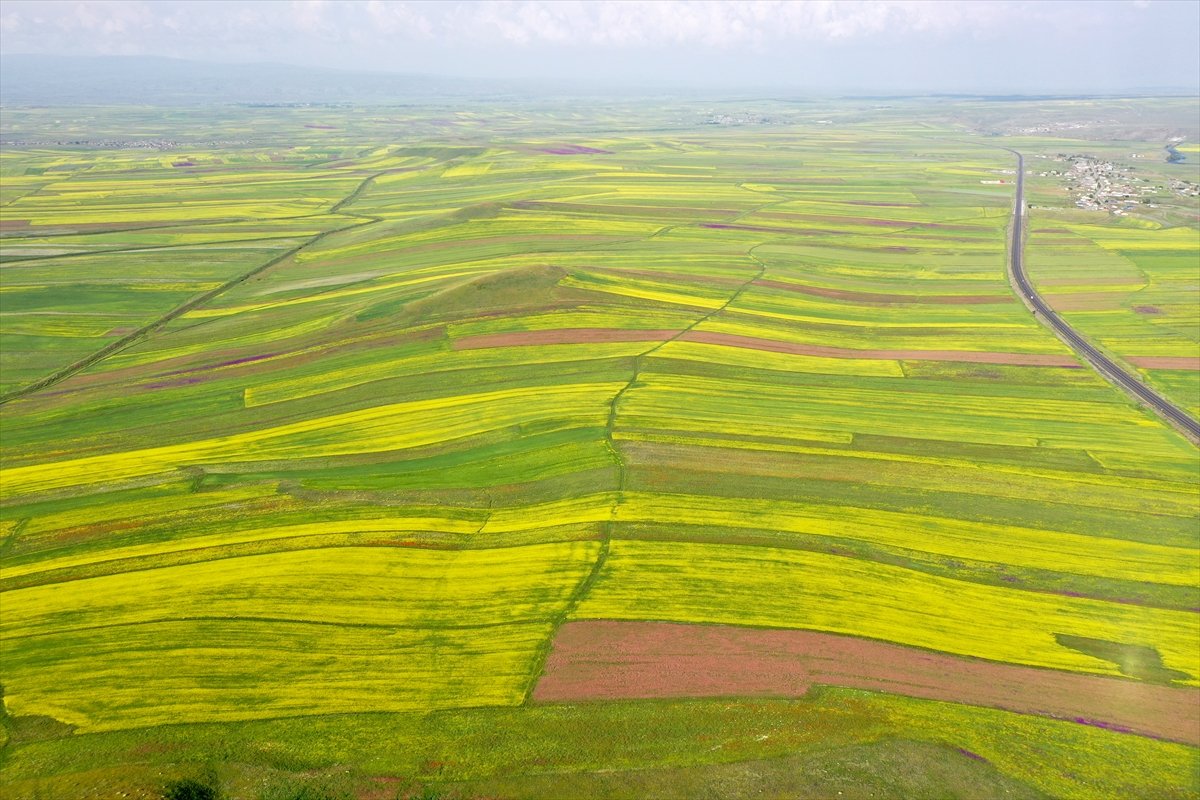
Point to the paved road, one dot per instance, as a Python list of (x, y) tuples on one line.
[(1170, 413)]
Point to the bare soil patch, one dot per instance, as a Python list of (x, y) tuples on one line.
[(1165, 362), (605, 660)]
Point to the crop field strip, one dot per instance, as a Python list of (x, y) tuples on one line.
[(778, 386)]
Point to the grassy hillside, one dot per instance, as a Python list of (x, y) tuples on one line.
[(339, 441)]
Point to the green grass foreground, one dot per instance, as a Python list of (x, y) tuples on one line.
[(858, 743)]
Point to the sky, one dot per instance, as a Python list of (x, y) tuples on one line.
[(887, 46)]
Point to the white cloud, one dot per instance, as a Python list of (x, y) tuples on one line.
[(443, 34), (165, 26), (310, 15), (394, 18), (639, 23)]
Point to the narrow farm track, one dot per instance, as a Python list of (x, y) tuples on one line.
[(198, 301), (1166, 410)]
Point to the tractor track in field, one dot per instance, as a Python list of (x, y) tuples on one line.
[(178, 311), (1167, 411)]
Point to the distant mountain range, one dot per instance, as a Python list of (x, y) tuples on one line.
[(60, 80), (47, 80)]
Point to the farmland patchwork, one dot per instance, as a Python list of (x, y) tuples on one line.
[(729, 434)]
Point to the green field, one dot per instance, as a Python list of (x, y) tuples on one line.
[(315, 439)]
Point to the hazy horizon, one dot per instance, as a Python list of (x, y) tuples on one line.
[(884, 46)]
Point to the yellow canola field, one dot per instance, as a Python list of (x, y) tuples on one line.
[(1000, 544), (392, 586), (394, 426), (783, 362), (778, 588), (588, 508), (467, 170), (400, 524), (1125, 238), (395, 629), (200, 670), (671, 294)]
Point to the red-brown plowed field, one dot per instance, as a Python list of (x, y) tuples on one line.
[(561, 336), (871, 297), (1165, 362), (795, 348), (604, 660)]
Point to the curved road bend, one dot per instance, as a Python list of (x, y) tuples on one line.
[(1169, 412)]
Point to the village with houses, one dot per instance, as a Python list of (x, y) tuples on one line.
[(1100, 185)]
